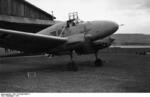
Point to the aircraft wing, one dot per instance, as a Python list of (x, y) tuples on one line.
[(29, 42)]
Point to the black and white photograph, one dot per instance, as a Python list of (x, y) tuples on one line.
[(74, 46)]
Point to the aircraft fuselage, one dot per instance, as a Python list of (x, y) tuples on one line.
[(86, 37)]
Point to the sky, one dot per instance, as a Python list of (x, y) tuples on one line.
[(134, 14)]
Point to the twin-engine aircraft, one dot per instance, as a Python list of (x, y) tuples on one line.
[(63, 38)]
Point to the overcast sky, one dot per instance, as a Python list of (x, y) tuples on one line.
[(135, 14)]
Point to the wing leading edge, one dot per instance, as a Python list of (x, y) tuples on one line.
[(29, 42)]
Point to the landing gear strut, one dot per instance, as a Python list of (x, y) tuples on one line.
[(72, 66), (98, 61)]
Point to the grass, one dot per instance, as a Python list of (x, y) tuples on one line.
[(123, 71)]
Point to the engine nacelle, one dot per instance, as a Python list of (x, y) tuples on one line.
[(92, 47), (104, 43)]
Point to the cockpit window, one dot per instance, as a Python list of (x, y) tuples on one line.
[(53, 33)]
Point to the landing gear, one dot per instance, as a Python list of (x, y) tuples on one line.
[(98, 62), (72, 66)]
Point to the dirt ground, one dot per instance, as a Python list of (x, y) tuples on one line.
[(124, 71)]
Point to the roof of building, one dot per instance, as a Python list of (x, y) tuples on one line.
[(44, 12)]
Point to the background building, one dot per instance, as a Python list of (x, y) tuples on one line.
[(23, 16)]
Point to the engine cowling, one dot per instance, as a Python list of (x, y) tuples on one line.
[(104, 43), (91, 47)]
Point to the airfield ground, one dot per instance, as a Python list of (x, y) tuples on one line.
[(124, 70)]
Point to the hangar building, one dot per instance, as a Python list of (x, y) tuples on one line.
[(23, 16)]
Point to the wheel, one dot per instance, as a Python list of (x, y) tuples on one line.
[(98, 63), (73, 67)]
